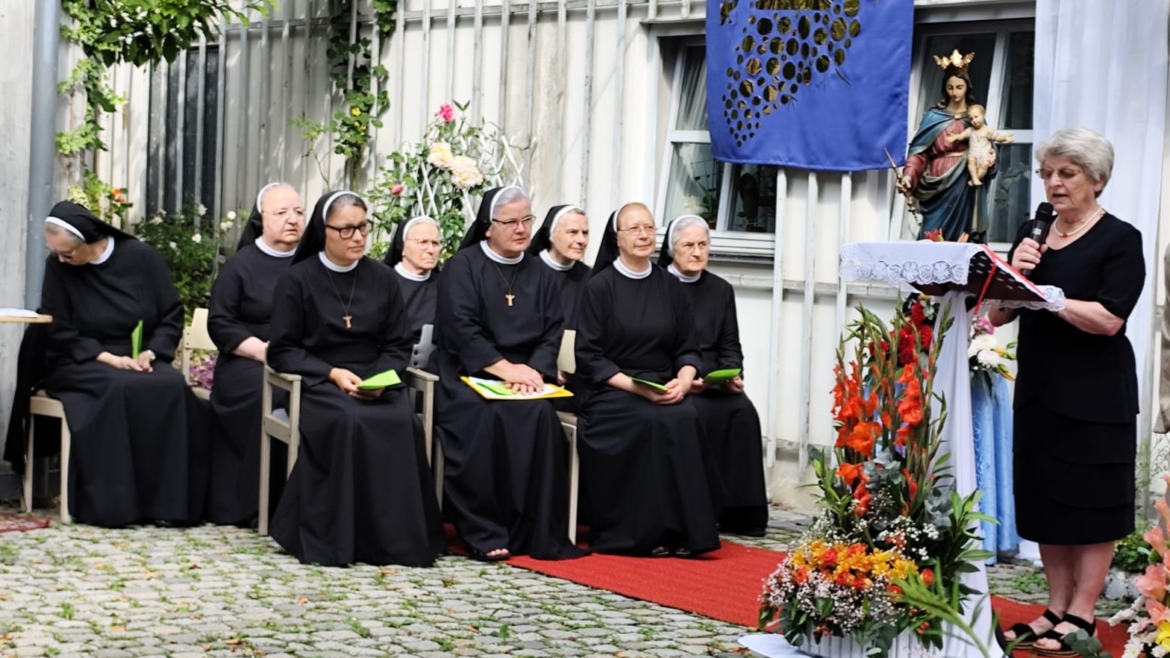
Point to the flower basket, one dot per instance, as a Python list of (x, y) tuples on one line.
[(905, 645)]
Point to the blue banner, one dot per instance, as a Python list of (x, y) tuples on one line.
[(813, 84)]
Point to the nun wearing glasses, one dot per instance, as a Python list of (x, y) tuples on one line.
[(239, 323), (730, 421), (361, 489), (139, 445)]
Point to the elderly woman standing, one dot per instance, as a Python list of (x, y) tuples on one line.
[(730, 420), (1076, 398), (139, 433)]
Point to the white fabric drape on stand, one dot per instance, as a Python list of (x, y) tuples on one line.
[(1102, 64)]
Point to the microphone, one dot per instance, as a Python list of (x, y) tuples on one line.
[(1044, 218)]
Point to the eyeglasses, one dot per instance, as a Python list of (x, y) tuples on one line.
[(513, 224), (435, 244), (346, 232), (639, 230), (1064, 174), (63, 255)]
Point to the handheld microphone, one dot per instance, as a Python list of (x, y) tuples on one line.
[(1044, 218)]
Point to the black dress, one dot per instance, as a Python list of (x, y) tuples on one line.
[(1076, 398), (361, 489), (421, 298), (572, 282), (730, 420), (642, 463), (139, 439), (241, 308), (506, 468)]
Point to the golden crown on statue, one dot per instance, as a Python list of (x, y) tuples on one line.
[(955, 60)]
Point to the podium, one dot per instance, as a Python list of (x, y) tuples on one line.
[(955, 272)]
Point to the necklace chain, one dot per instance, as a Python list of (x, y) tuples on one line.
[(507, 296), (345, 305), (1085, 223)]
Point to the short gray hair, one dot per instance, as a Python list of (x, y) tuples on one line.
[(1087, 149), (53, 229), (510, 194), (421, 219)]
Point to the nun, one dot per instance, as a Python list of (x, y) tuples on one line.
[(641, 445), (731, 424), (560, 244), (360, 490), (500, 317), (414, 256), (139, 433), (239, 323)]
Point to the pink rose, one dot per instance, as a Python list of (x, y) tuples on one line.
[(397, 189), (447, 112)]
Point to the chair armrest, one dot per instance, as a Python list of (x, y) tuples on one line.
[(281, 380), (416, 378)]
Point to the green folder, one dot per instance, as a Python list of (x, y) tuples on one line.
[(136, 341), (380, 380), (656, 386), (721, 376)]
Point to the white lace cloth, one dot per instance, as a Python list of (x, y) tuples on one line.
[(904, 264)]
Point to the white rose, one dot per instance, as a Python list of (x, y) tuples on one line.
[(197, 238), (155, 221), (441, 155), (231, 215), (989, 359), (981, 343), (201, 210), (174, 246), (225, 226), (465, 172)]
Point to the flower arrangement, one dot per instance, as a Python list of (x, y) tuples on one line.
[(442, 175), (984, 353), (203, 368), (890, 519), (1149, 616)]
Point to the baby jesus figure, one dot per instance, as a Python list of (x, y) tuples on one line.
[(980, 152)]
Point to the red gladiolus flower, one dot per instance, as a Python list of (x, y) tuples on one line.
[(850, 473)]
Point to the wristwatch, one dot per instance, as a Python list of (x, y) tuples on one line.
[(151, 353)]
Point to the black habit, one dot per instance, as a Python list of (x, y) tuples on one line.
[(730, 421), (506, 461), (361, 489), (642, 463), (139, 439), (241, 308)]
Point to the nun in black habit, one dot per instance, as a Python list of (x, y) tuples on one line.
[(641, 449), (139, 449), (730, 421), (500, 317), (560, 244), (361, 489), (414, 256), (239, 324)]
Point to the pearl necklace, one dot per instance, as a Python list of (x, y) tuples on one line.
[(1085, 223)]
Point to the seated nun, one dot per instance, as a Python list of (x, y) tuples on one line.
[(500, 317), (730, 422), (361, 489), (414, 256), (560, 244), (239, 323), (641, 449), (139, 445)]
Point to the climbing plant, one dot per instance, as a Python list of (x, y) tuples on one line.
[(358, 76), (138, 32)]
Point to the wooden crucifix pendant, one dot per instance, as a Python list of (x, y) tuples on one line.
[(347, 319), (510, 297)]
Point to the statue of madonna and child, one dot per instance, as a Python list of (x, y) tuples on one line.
[(952, 157)]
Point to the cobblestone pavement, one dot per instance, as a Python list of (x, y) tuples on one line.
[(83, 591)]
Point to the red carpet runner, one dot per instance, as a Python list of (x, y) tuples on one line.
[(726, 585)]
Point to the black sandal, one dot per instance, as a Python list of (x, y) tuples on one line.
[(660, 551), (1065, 651), (1026, 635), (476, 554)]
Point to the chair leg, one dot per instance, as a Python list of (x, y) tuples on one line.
[(574, 468), (27, 478), (265, 474), (66, 446), (437, 465)]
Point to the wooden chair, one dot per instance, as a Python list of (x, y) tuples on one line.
[(40, 404), (569, 423), (195, 337), (284, 425), (280, 424)]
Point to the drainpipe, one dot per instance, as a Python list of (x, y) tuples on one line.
[(42, 143)]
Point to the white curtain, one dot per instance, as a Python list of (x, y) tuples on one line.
[(1102, 64)]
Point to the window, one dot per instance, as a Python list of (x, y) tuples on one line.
[(1001, 74), (182, 169), (732, 198)]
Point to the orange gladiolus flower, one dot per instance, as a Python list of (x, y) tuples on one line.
[(850, 473), (862, 438)]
